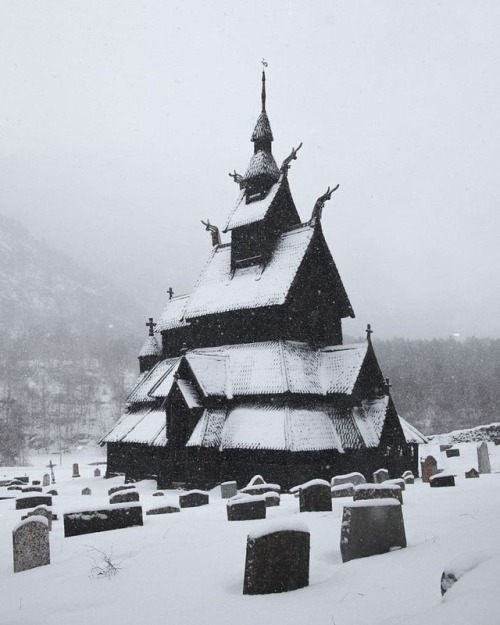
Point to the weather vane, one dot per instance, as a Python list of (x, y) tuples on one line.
[(264, 62)]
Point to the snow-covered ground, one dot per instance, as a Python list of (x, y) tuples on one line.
[(187, 568)]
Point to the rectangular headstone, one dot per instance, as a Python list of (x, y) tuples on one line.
[(193, 499), (348, 478), (315, 496), (124, 496), (46, 480), (31, 547), (377, 491), (228, 490), (439, 480), (246, 508), (163, 510), (102, 520), (97, 472), (453, 452), (76, 470), (31, 501), (115, 489), (342, 490)]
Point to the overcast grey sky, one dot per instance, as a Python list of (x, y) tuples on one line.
[(120, 120)]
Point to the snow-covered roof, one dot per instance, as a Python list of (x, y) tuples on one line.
[(208, 430), (340, 366), (189, 393), (173, 313), (411, 433), (151, 380), (262, 163), (244, 214), (150, 347), (219, 289), (370, 418), (146, 425), (262, 128)]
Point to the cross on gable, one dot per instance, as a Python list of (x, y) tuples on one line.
[(369, 332), (170, 292), (151, 326)]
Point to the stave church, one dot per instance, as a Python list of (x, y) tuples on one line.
[(248, 373)]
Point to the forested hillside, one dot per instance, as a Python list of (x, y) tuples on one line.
[(68, 341)]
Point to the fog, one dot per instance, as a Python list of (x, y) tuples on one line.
[(120, 120)]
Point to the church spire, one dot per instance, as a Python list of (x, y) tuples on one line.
[(262, 135), (263, 96)]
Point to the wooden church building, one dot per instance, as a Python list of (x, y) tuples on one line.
[(248, 373)]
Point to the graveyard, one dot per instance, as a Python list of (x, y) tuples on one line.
[(183, 567)]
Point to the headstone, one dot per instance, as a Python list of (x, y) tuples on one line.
[(193, 498), (14, 483), (407, 474), (163, 510), (377, 491), (46, 480), (32, 489), (409, 479), (442, 479), (76, 470), (342, 490), (15, 488), (102, 520), (52, 492), (31, 547), (444, 447), (124, 496), (260, 488), (24, 479), (179, 485), (272, 499), (115, 489), (43, 511), (472, 473), (87, 491), (97, 472), (158, 494), (31, 501), (315, 496), (228, 490), (453, 452), (380, 476), (256, 480), (277, 561), (398, 481), (428, 468), (35, 482), (483, 458), (349, 478), (371, 527), (246, 508)]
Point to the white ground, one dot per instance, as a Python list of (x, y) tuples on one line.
[(187, 568)]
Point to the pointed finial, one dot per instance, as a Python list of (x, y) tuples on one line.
[(264, 65), (388, 385), (369, 332)]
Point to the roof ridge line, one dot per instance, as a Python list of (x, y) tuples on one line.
[(284, 371)]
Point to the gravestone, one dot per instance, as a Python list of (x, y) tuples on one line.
[(255, 481), (409, 479), (43, 511), (14, 483), (472, 473), (442, 479), (277, 561), (483, 458), (349, 478), (124, 496), (260, 488), (115, 489), (158, 494), (102, 520), (444, 447), (163, 510), (398, 482), (31, 546), (87, 491), (377, 491), (31, 501), (272, 499), (15, 488), (52, 492), (228, 490), (246, 508), (76, 470), (342, 490), (370, 528), (428, 468), (315, 496), (97, 472), (193, 499), (46, 480), (380, 476), (407, 474), (24, 479), (453, 452), (35, 483), (32, 489)]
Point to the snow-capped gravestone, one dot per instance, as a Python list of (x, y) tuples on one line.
[(277, 559), (315, 496), (483, 458), (76, 470), (102, 520), (158, 493), (97, 472), (163, 510), (45, 512), (193, 499), (377, 491), (349, 478), (246, 508), (32, 489), (380, 476), (87, 491), (115, 489), (473, 473), (428, 468), (258, 486), (342, 490), (408, 477), (442, 479), (31, 544), (52, 492), (453, 452), (228, 490), (124, 496), (46, 480), (371, 527), (23, 478), (272, 499), (398, 482), (31, 501)]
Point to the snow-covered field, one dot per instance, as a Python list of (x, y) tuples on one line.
[(187, 568)]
